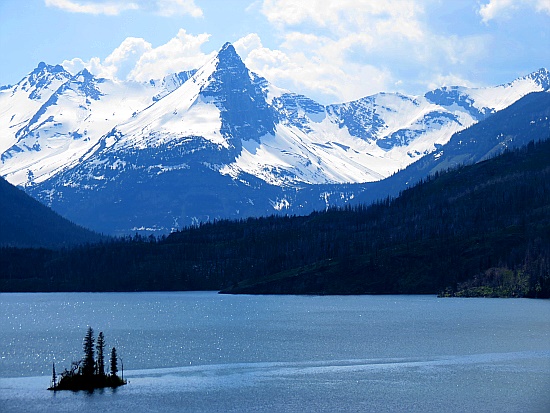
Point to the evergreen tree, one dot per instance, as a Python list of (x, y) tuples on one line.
[(100, 347), (54, 378), (114, 367), (88, 367)]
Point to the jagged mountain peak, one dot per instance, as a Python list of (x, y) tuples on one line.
[(44, 67), (540, 77), (228, 64), (86, 82), (45, 71), (240, 96), (228, 48), (85, 77), (85, 73), (41, 78), (229, 59)]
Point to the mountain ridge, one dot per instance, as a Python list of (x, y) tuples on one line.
[(223, 126), (525, 120)]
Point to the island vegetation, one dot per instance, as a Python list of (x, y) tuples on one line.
[(89, 373)]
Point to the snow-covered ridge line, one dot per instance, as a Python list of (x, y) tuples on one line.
[(52, 122)]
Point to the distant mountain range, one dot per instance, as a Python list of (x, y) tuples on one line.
[(222, 142)]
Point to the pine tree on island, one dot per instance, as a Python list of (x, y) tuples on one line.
[(100, 347), (89, 373), (88, 367), (54, 377), (114, 367)]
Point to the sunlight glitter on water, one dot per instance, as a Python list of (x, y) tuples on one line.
[(202, 352)]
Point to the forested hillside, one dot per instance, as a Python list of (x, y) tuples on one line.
[(25, 222), (476, 230)]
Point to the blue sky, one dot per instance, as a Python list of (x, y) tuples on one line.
[(332, 51)]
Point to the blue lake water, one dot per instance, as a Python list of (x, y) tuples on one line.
[(204, 352)]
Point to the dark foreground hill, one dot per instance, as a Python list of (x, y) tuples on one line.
[(482, 229), (25, 222)]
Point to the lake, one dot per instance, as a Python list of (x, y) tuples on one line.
[(204, 352)]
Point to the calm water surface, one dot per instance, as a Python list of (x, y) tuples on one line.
[(203, 352)]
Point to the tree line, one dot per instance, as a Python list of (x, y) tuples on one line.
[(449, 229)]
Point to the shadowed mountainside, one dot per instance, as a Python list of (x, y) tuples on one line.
[(25, 222)]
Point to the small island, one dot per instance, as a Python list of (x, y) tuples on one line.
[(89, 373)]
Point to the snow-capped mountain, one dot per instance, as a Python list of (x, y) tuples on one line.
[(526, 120), (217, 142), (19, 103), (50, 118)]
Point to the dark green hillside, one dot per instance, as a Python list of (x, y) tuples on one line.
[(487, 224), (477, 230), (25, 222)]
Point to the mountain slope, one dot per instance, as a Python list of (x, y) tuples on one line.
[(484, 223), (118, 156), (525, 120), (25, 222)]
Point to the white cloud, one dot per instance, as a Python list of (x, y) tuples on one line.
[(117, 65), (246, 44), (76, 64), (326, 80), (332, 49), (166, 8), (169, 8), (504, 8), (543, 6), (182, 52), (347, 49), (136, 59), (124, 58), (395, 17), (496, 8), (107, 8), (340, 51)]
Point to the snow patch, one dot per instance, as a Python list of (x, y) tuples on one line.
[(280, 204)]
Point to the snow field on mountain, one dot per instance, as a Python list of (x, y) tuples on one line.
[(329, 155), (17, 107), (182, 113), (500, 97), (82, 121)]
